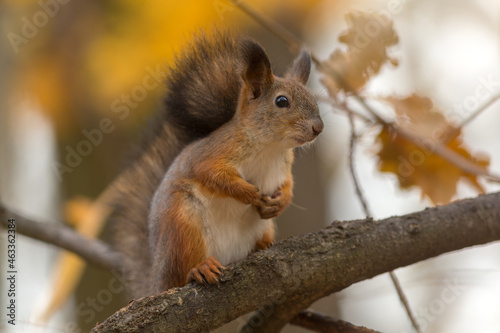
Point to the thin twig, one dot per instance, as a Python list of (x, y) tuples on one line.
[(480, 110), (272, 26), (275, 28), (91, 250), (404, 300), (344, 108), (455, 130), (445, 152), (357, 187), (366, 209)]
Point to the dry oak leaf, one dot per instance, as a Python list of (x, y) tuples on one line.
[(367, 39), (416, 166)]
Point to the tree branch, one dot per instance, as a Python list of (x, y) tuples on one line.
[(92, 250), (318, 322), (293, 274)]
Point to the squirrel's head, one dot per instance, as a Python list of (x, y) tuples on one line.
[(281, 110)]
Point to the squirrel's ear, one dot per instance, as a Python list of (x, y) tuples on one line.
[(257, 73), (301, 67)]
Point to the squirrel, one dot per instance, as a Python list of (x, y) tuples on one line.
[(215, 169)]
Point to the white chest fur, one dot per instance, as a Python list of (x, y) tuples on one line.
[(232, 227), (233, 230), (267, 171)]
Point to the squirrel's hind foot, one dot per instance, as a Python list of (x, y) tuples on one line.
[(208, 271)]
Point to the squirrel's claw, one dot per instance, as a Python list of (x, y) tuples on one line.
[(263, 244), (208, 271), (270, 206)]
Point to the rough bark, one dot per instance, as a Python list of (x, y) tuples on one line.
[(291, 275)]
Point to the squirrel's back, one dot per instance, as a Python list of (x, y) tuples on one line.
[(202, 91)]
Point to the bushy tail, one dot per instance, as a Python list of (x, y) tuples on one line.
[(201, 94)]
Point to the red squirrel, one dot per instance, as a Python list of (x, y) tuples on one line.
[(216, 169)]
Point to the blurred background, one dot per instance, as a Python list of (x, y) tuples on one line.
[(70, 67)]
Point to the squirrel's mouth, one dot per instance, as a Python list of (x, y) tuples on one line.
[(302, 140)]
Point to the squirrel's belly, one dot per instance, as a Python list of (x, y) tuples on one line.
[(233, 229)]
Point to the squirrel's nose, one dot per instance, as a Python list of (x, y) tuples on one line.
[(317, 126)]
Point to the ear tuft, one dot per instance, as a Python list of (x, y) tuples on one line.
[(301, 67), (257, 73)]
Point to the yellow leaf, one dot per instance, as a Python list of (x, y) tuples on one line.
[(436, 177), (88, 218), (367, 39)]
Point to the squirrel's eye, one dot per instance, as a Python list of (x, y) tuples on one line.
[(282, 102)]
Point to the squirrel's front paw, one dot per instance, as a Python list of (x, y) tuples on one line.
[(208, 271), (270, 206), (249, 195)]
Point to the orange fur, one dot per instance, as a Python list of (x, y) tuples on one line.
[(266, 241), (181, 241), (220, 179)]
